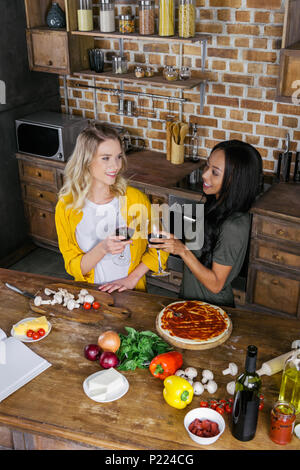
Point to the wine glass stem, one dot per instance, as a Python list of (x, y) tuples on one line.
[(159, 261)]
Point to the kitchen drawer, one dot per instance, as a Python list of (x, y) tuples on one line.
[(276, 229), (41, 223), (275, 254), (37, 173), (275, 291), (39, 195)]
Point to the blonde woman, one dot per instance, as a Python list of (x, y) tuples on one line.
[(94, 200)]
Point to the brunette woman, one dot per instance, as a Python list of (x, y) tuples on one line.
[(231, 183), (94, 200)]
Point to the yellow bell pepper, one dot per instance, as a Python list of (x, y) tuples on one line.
[(178, 392)]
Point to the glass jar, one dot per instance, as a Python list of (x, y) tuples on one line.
[(170, 73), (139, 72), (146, 17), (149, 72), (282, 422), (107, 16), (126, 24), (290, 383), (85, 15), (119, 64), (166, 18), (186, 19), (185, 73)]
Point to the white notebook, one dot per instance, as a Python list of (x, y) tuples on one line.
[(18, 365)]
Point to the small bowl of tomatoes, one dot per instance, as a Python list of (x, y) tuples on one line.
[(204, 425)]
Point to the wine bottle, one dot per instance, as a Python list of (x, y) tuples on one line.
[(246, 399)]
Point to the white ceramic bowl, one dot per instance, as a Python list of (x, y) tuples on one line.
[(204, 413)]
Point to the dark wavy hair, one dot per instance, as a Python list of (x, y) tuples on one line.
[(240, 187)]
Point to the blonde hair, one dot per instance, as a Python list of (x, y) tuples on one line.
[(77, 176)]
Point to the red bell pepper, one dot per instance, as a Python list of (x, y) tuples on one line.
[(165, 364)]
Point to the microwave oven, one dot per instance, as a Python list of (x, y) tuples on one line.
[(48, 134)]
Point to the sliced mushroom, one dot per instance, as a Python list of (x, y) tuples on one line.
[(232, 369)]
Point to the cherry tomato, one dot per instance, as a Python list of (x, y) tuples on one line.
[(203, 404), (261, 397), (35, 335), (96, 305), (228, 408), (213, 404), (41, 332), (220, 410), (29, 333), (261, 405), (87, 305), (231, 400)]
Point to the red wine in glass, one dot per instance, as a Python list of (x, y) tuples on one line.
[(126, 232)]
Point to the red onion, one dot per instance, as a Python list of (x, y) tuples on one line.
[(108, 359), (92, 352)]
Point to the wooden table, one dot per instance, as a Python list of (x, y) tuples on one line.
[(52, 411)]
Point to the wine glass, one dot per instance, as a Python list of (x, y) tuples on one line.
[(127, 232), (155, 229)]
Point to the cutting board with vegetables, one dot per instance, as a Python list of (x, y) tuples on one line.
[(80, 314)]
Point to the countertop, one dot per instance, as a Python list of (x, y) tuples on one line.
[(54, 403)]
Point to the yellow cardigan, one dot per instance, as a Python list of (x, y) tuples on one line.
[(67, 219)]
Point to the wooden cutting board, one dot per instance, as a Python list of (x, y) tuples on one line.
[(184, 345), (79, 314)]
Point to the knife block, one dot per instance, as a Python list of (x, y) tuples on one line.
[(177, 153)]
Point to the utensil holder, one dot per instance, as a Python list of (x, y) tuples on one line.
[(177, 154)]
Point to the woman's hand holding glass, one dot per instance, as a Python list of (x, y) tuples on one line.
[(169, 243), (114, 244)]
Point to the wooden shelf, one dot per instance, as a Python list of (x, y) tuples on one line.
[(153, 37), (155, 80)]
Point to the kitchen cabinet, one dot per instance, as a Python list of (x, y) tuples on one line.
[(288, 82), (40, 182), (274, 267), (53, 50)]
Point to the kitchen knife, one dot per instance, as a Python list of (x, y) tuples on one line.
[(19, 291)]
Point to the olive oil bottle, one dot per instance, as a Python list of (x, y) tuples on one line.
[(290, 383)]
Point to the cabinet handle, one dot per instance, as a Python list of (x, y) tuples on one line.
[(39, 174), (277, 257), (50, 62), (42, 215), (275, 282), (280, 232), (41, 195)]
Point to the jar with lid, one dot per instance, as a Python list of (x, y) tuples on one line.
[(149, 72), (139, 72), (119, 64), (290, 382), (107, 16), (282, 422), (126, 24), (166, 18), (146, 17), (170, 73), (186, 19), (85, 15), (185, 73)]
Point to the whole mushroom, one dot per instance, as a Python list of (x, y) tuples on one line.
[(180, 373), (49, 291), (232, 369), (211, 386), (198, 388), (207, 375), (230, 387), (89, 298), (190, 373), (37, 300)]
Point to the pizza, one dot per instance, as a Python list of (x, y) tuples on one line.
[(193, 322)]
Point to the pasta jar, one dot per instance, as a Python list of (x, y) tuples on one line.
[(166, 18), (186, 19), (146, 17), (107, 16), (282, 422), (170, 73), (126, 24), (85, 15)]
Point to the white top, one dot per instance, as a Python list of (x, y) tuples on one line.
[(98, 222)]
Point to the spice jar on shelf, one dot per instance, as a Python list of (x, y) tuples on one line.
[(85, 15), (186, 19), (149, 72), (146, 17), (126, 24), (170, 73), (166, 18), (107, 16), (139, 72), (184, 73)]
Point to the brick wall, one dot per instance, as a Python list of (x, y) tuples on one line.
[(242, 68)]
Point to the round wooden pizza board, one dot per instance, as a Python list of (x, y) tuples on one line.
[(183, 345)]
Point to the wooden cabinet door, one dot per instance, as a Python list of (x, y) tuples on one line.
[(48, 51), (41, 224)]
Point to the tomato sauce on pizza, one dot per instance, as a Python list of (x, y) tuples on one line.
[(195, 321)]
